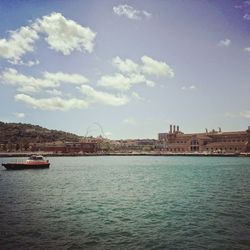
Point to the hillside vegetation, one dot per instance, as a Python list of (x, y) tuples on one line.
[(19, 133)]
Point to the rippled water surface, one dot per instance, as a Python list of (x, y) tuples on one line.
[(127, 203)]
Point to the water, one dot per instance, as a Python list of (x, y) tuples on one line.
[(127, 203)]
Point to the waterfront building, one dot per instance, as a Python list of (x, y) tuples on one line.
[(66, 147), (213, 141)]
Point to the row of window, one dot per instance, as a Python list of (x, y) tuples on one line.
[(224, 149), (228, 140), (207, 149)]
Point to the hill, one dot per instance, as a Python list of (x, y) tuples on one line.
[(20, 133)]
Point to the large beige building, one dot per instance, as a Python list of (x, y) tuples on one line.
[(212, 142)]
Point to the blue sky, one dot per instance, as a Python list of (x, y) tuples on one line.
[(132, 67)]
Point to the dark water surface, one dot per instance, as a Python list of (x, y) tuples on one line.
[(127, 203)]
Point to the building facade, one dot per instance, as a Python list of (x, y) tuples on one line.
[(214, 141)]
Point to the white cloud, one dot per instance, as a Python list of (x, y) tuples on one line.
[(192, 87), (247, 17), (247, 49), (130, 12), (29, 63), (245, 114), (126, 66), (130, 121), (150, 83), (146, 14), (133, 73), (238, 6), (154, 67), (65, 35), (224, 43), (149, 66), (26, 83), (54, 103), (54, 92), (67, 78), (19, 115), (230, 115), (121, 82), (29, 84), (137, 96), (103, 97), (21, 41)]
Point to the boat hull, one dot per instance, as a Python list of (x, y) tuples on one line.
[(22, 166)]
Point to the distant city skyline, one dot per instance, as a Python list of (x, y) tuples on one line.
[(127, 69)]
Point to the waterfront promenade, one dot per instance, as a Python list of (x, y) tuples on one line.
[(141, 153)]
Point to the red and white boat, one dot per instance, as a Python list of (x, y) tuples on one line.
[(33, 162)]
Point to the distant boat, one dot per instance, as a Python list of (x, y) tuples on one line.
[(33, 162)]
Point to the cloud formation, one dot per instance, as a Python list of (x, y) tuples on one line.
[(54, 103), (224, 43), (136, 96), (21, 41), (244, 114), (125, 66), (130, 121), (19, 115), (121, 82), (247, 17), (103, 97), (30, 84), (133, 73), (130, 12), (67, 78), (192, 87), (50, 84), (157, 68), (63, 35)]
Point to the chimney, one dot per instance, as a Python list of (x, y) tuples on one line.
[(177, 128), (174, 128), (170, 129)]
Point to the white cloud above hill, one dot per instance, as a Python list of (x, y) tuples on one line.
[(53, 103), (62, 35)]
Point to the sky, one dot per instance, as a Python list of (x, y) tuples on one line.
[(125, 69)]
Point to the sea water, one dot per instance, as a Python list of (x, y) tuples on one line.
[(129, 202)]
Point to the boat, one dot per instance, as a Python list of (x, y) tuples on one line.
[(33, 162)]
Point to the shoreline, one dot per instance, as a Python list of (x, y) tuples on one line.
[(48, 154)]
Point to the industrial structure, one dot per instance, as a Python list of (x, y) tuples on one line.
[(213, 141)]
